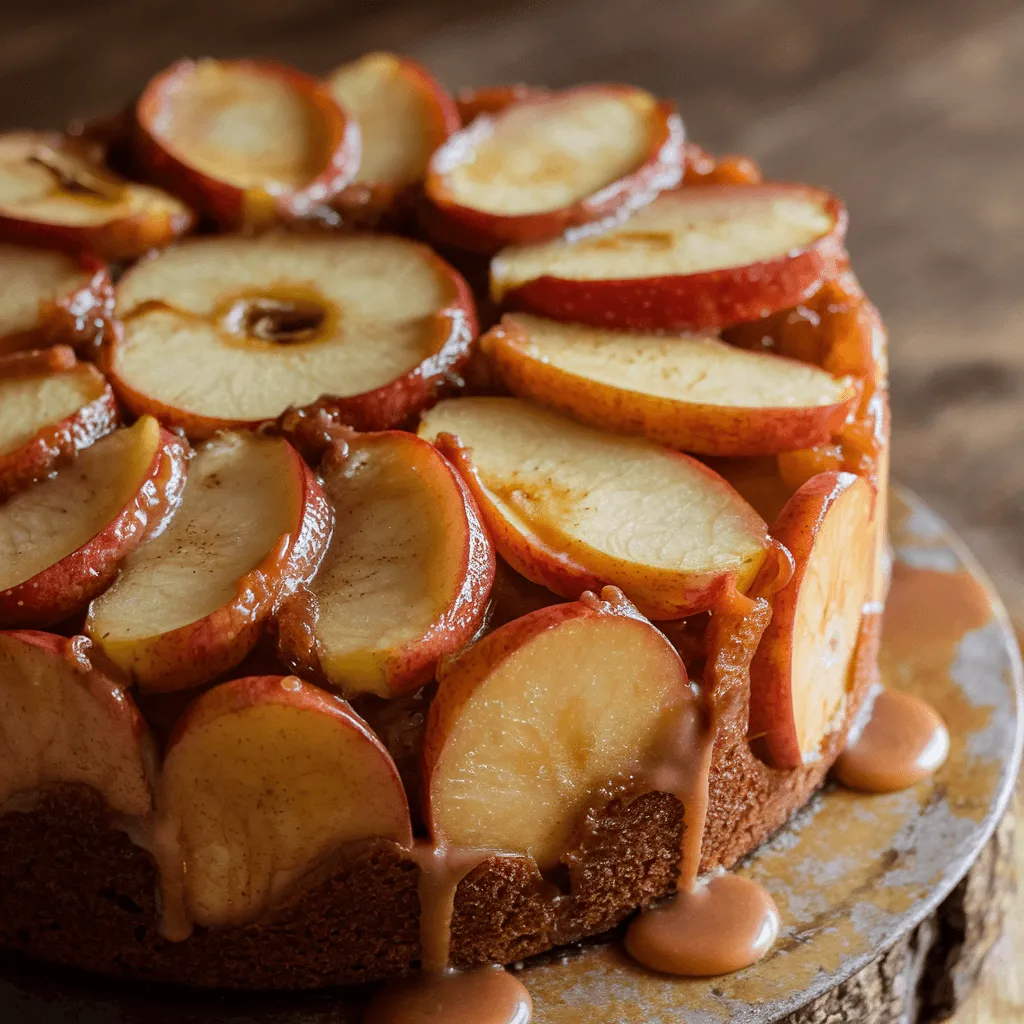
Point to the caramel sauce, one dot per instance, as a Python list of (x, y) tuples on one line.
[(719, 925), (903, 742), (724, 923), (485, 995)]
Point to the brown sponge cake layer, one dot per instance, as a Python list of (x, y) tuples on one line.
[(74, 889)]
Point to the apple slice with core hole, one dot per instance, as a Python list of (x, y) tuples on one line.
[(551, 162), (51, 406), (253, 524), (694, 259), (228, 332), (62, 720), (54, 191), (692, 392), (406, 578), (50, 297), (247, 142), (62, 540), (799, 675), (404, 114), (265, 778), (531, 721), (570, 507)]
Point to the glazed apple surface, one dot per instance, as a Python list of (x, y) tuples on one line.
[(573, 508), (51, 406), (516, 745), (248, 142), (691, 392), (55, 191), (50, 297), (373, 323), (263, 779), (407, 575), (552, 161), (799, 678), (63, 720), (190, 604), (62, 539), (694, 259)]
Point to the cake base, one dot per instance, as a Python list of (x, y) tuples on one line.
[(889, 903)]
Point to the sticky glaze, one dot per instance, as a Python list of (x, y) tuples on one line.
[(903, 742), (719, 925), (486, 995)]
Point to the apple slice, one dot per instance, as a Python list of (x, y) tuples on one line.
[(692, 392), (404, 114), (571, 508), (51, 406), (551, 162), (407, 575), (61, 540), (247, 142), (228, 332), (62, 720), (50, 297), (191, 604), (694, 259), (264, 778), (530, 722), (54, 191), (799, 675)]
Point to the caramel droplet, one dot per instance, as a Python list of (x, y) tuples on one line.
[(903, 742), (486, 995), (721, 925)]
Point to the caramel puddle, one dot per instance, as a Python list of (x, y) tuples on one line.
[(484, 995), (719, 925), (903, 742)]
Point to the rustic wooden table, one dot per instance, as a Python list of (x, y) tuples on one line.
[(910, 109)]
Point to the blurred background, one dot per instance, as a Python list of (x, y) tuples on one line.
[(912, 110)]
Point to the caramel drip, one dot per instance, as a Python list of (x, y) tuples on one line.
[(441, 871), (726, 922), (903, 742), (486, 995), (159, 837)]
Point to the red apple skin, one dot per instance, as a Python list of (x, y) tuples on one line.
[(79, 318), (772, 715), (240, 694), (66, 587), (200, 651), (37, 457), (122, 239), (492, 99), (709, 300), (480, 231), (412, 665), (370, 204), (228, 204)]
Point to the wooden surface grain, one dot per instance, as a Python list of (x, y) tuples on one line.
[(910, 109)]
